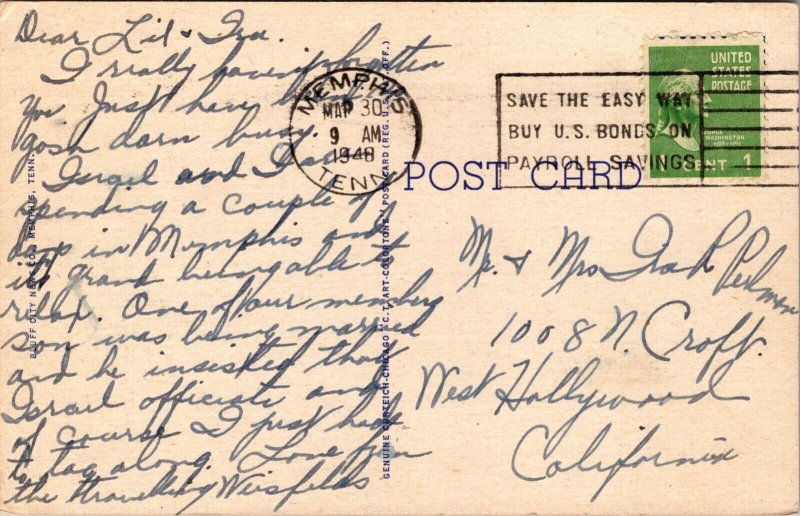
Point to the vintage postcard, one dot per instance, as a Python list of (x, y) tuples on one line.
[(399, 258)]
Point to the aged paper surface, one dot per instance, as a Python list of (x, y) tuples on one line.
[(390, 259)]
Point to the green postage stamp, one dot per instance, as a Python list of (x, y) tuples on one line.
[(704, 105)]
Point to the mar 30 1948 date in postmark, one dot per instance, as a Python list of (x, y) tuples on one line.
[(364, 126)]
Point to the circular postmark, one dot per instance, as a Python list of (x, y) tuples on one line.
[(352, 130)]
